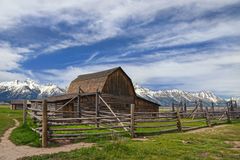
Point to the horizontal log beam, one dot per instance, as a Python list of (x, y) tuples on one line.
[(85, 129), (193, 121), (34, 116), (88, 118), (33, 109), (154, 113), (154, 132), (85, 134), (171, 117), (160, 126), (155, 120)]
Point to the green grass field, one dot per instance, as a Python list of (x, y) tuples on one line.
[(216, 143), (208, 144)]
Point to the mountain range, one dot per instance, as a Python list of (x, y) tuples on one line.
[(27, 89), (167, 97), (30, 89)]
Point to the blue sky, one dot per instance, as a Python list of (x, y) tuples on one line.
[(184, 44)]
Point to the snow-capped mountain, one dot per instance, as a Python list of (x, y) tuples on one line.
[(27, 89), (166, 97), (30, 89), (237, 99)]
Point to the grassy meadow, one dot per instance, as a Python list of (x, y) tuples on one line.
[(209, 144), (221, 142)]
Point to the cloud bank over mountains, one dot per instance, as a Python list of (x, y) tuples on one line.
[(185, 44)]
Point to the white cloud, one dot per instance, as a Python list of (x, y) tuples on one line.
[(188, 33), (10, 60), (91, 57), (11, 56), (8, 76), (104, 19), (216, 72)]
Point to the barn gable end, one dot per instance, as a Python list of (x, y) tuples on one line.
[(119, 84)]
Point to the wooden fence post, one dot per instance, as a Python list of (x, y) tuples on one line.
[(208, 121), (185, 107), (24, 112), (212, 106), (132, 123), (196, 104), (231, 106), (232, 109), (34, 112), (79, 112), (181, 106), (44, 124), (228, 115), (173, 108), (235, 104), (179, 123), (201, 105), (97, 108), (13, 107)]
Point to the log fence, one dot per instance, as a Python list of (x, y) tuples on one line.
[(68, 125)]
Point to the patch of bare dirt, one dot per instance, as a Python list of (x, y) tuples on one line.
[(204, 154), (186, 142), (140, 139), (235, 144), (9, 151), (207, 129)]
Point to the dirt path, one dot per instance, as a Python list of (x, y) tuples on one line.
[(9, 151)]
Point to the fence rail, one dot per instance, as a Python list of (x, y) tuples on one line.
[(64, 125)]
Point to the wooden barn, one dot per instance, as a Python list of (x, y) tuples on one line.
[(106, 90), (18, 104)]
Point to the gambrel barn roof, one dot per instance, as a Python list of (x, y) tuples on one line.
[(94, 81), (100, 81)]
